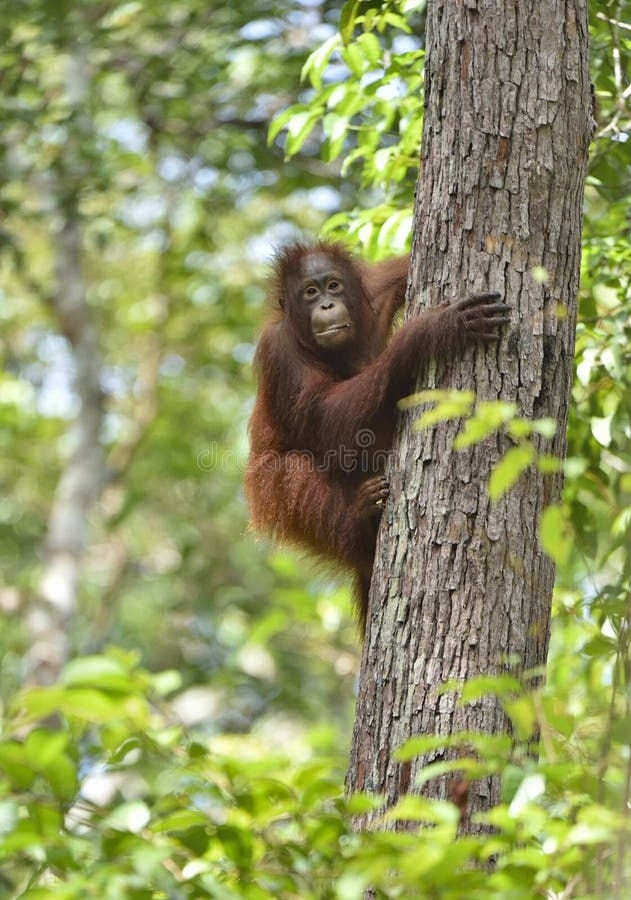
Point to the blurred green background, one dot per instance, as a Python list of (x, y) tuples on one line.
[(146, 124), (142, 129)]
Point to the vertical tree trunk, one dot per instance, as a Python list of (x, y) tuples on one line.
[(55, 604), (460, 584)]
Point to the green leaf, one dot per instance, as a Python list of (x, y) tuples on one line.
[(474, 431), (237, 843), (531, 788), (512, 777), (547, 427), (23, 836), (601, 427), (467, 398), (61, 774), (482, 743), (396, 230), (499, 685), (622, 522), (442, 412), (42, 747), (363, 803), (348, 20), (472, 768), (489, 417), (520, 428), (283, 118), (299, 127), (521, 712), (318, 60), (180, 820), (371, 47), (548, 465), (336, 128), (355, 60), (420, 809), (132, 816), (555, 534), (166, 682), (417, 746), (14, 764), (509, 468), (85, 704), (98, 671)]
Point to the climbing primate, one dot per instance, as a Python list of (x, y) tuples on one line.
[(330, 375)]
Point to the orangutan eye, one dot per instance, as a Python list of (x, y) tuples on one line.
[(311, 292), (334, 286)]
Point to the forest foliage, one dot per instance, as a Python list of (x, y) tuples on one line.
[(194, 741)]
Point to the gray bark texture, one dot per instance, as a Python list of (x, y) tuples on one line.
[(460, 584)]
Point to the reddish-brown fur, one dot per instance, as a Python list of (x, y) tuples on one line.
[(323, 422)]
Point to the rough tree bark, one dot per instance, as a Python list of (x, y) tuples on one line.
[(458, 584)]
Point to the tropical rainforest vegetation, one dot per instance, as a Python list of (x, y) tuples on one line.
[(176, 697)]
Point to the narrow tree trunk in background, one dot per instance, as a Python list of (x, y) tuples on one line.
[(459, 584), (83, 468)]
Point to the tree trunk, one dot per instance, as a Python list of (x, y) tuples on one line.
[(460, 584), (55, 605)]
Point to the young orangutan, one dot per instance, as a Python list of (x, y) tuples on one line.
[(329, 379)]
